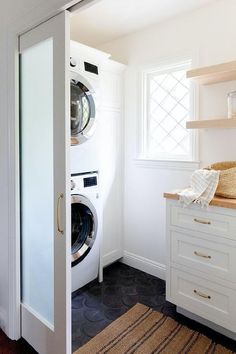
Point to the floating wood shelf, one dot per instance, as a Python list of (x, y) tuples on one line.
[(212, 123), (214, 74)]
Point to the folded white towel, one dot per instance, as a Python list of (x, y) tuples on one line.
[(202, 188)]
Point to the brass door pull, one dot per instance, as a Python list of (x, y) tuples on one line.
[(199, 254), (205, 222), (59, 228), (201, 294)]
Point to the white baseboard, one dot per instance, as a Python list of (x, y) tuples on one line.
[(3, 319), (112, 257), (144, 264)]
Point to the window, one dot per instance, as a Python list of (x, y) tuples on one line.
[(167, 105)]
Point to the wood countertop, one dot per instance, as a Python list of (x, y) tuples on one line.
[(216, 201)]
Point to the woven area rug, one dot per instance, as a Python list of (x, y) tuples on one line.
[(145, 331)]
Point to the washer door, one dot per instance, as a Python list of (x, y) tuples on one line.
[(82, 110), (83, 228)]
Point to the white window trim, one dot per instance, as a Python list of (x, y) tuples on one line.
[(167, 164), (143, 160)]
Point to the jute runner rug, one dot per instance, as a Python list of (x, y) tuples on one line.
[(145, 331)]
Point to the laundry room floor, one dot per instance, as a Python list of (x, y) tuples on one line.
[(96, 305)]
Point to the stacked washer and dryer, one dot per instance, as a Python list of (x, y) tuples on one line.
[(86, 206)]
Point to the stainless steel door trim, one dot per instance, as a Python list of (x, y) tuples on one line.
[(88, 244), (85, 134)]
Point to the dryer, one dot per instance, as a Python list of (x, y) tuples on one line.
[(86, 228), (83, 109), (85, 106)]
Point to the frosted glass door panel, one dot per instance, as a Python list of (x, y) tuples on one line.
[(37, 196)]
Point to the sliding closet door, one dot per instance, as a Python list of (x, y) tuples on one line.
[(45, 186)]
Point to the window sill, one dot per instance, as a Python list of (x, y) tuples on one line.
[(167, 164)]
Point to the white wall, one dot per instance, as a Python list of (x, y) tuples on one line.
[(209, 34)]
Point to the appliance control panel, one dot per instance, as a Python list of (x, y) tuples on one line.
[(91, 69), (84, 182), (90, 181)]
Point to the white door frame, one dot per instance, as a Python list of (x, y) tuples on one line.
[(19, 26)]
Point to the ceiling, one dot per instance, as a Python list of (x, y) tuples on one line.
[(107, 20)]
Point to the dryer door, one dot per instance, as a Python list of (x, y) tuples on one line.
[(83, 227), (82, 111)]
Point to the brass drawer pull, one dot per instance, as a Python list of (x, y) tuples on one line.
[(59, 228), (199, 254), (205, 222), (201, 294)]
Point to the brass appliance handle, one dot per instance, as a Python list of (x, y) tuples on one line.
[(199, 293), (199, 254), (205, 222), (59, 228)]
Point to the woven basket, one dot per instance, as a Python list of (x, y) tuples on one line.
[(227, 183)]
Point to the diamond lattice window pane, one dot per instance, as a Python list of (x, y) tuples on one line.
[(168, 105)]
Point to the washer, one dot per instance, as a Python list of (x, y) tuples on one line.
[(85, 110), (86, 228)]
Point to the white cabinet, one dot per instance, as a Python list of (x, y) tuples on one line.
[(207, 299), (201, 263), (208, 221), (111, 170), (201, 253)]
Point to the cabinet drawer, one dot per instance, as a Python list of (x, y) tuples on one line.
[(204, 298), (218, 259), (204, 221)]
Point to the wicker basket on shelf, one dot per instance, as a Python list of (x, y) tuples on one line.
[(227, 182)]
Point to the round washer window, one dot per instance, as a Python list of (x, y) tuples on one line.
[(83, 231), (82, 107)]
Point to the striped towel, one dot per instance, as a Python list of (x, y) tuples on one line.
[(202, 188)]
